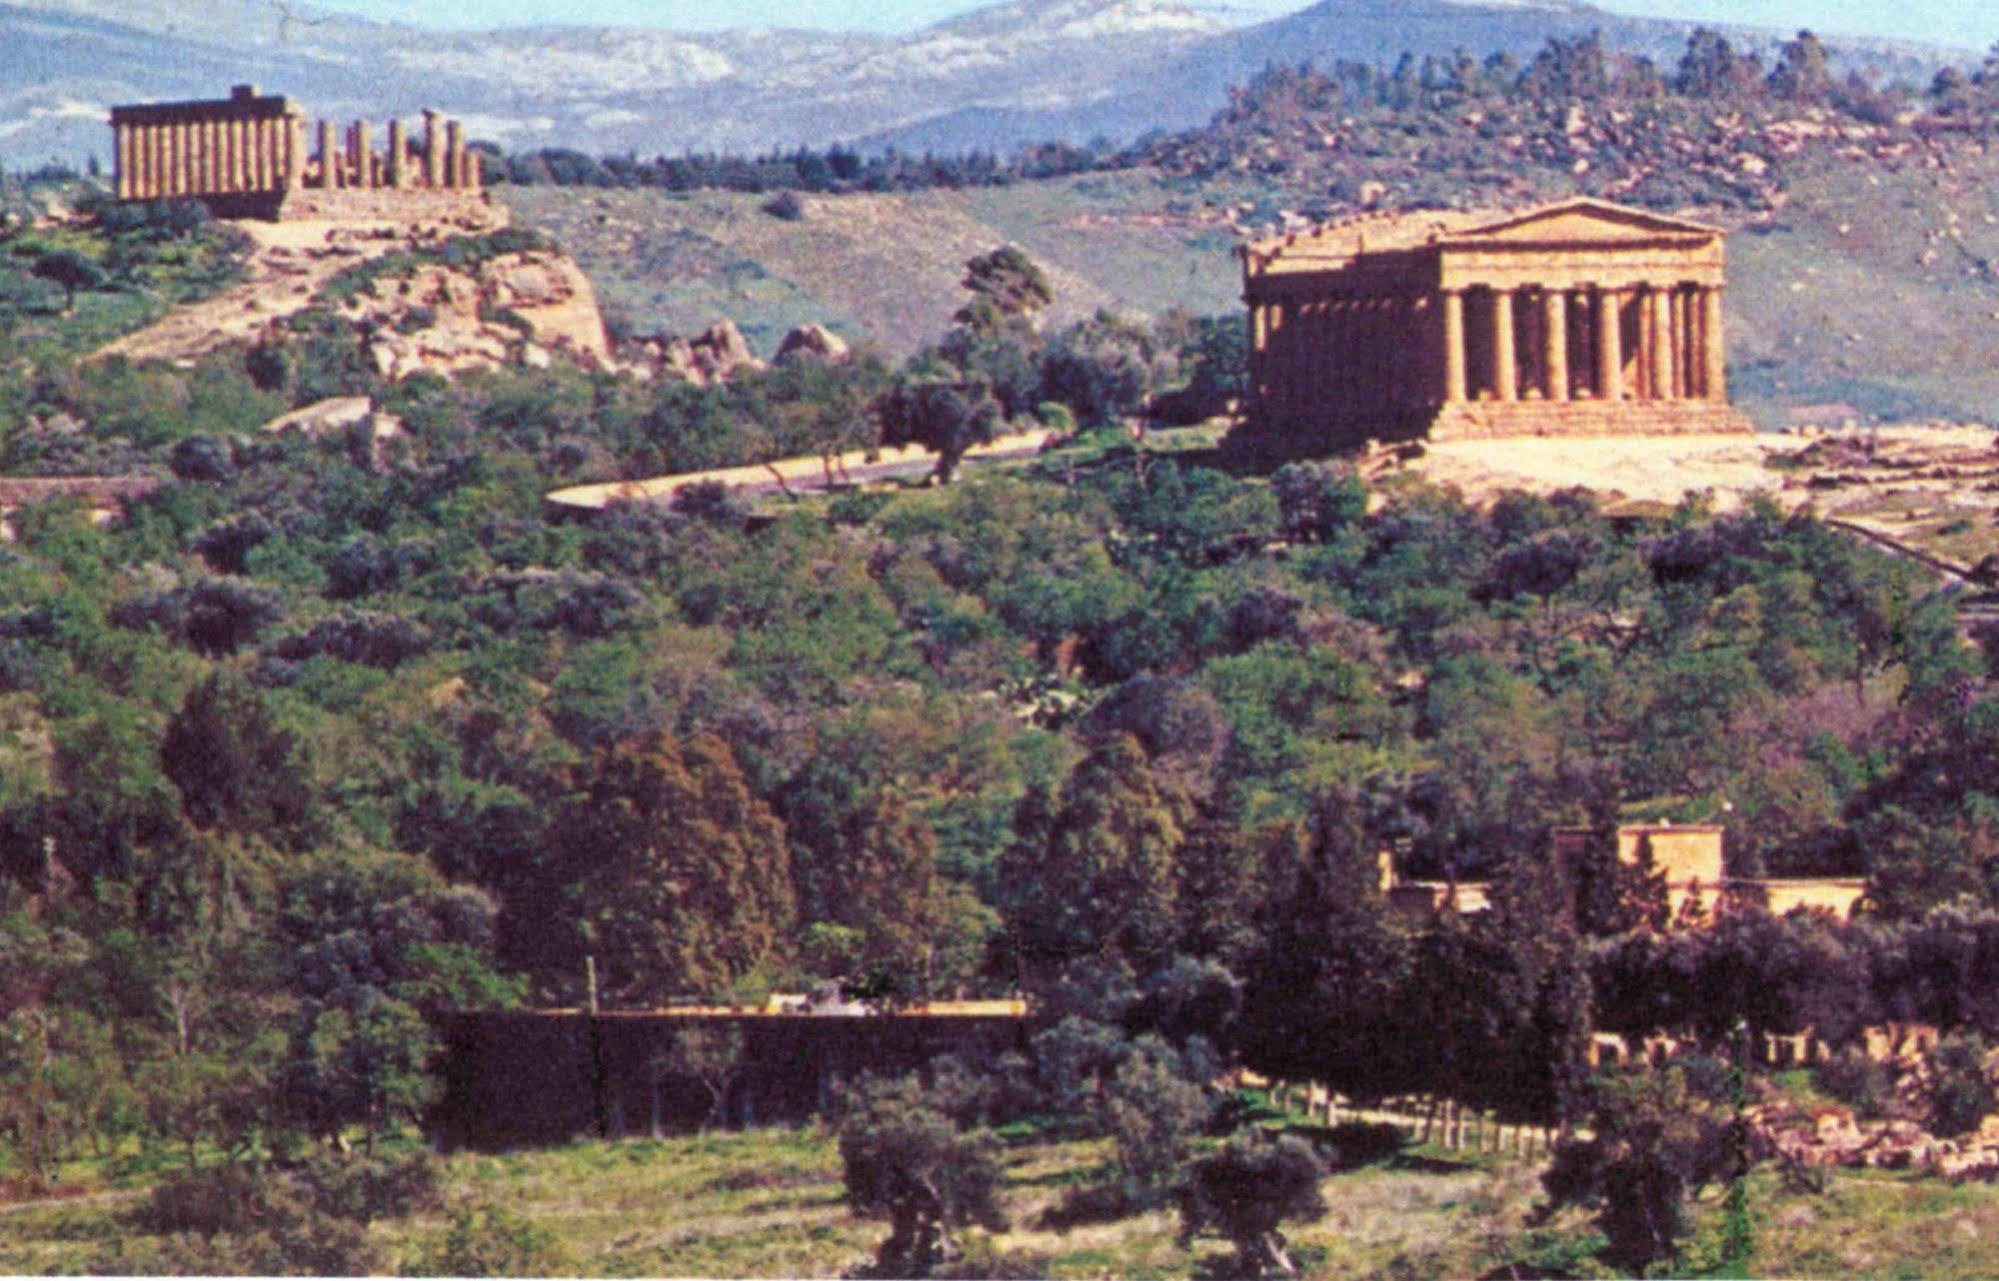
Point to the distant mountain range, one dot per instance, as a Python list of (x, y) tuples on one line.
[(1020, 71)]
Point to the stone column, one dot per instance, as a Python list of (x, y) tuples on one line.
[(177, 136), (454, 153), (433, 151), (211, 155), (328, 162), (1273, 354), (1714, 352), (1555, 342), (1454, 346), (1505, 365), (1609, 345), (1332, 346), (121, 164), (399, 155), (149, 162), (1662, 344), (1318, 316), (1373, 322), (1683, 371), (292, 147), (364, 156)]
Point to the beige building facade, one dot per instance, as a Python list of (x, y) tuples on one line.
[(1575, 318), (1688, 859), (253, 155)]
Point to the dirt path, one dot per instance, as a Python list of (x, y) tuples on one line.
[(796, 474)]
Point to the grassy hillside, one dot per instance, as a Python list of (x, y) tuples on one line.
[(770, 1203), (1876, 285), (886, 267), (1873, 285)]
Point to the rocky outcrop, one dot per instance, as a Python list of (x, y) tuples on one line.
[(813, 342), (517, 309), (323, 418), (552, 294), (713, 356)]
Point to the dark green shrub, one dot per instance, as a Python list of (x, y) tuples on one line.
[(1858, 1081), (1961, 1093)]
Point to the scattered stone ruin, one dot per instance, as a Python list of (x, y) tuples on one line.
[(1575, 318), (247, 156), (1687, 857)]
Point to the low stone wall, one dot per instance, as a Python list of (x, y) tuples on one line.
[(538, 1077)]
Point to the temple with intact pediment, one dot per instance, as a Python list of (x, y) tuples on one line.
[(247, 156), (1575, 318)]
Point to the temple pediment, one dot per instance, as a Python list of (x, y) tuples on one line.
[(1581, 222)]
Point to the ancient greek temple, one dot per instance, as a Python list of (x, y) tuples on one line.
[(1576, 318), (248, 155)]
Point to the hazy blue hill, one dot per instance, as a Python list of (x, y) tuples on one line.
[(1192, 87), (1022, 71)]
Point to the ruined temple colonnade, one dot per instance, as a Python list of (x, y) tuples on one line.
[(247, 152), (1647, 342), (1579, 318)]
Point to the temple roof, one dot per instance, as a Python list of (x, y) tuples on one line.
[(1581, 218)]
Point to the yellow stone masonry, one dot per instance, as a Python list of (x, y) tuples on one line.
[(246, 155), (1576, 318)]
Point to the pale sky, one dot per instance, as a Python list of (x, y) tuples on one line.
[(1955, 22)]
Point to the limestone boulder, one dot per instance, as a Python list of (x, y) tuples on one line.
[(325, 417), (712, 356), (813, 342), (552, 295), (722, 350)]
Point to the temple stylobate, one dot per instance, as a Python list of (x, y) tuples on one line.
[(1576, 318), (248, 154)]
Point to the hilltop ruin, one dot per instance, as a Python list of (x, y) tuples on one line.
[(245, 156)]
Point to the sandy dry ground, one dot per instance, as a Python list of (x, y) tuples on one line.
[(1928, 491), (291, 264), (1664, 469)]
